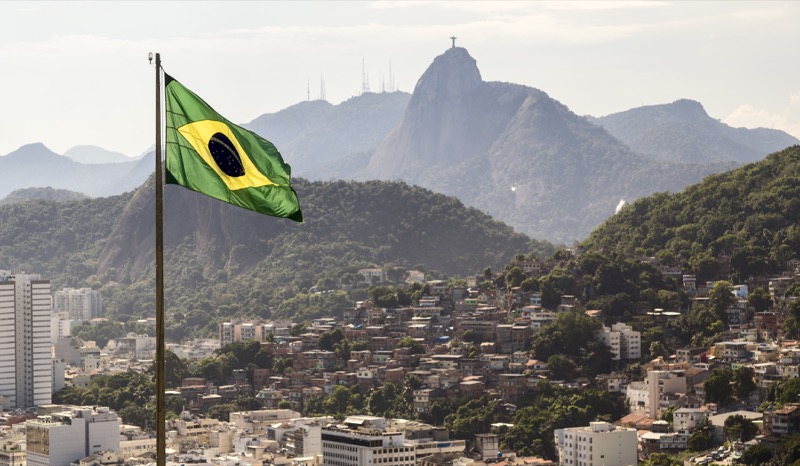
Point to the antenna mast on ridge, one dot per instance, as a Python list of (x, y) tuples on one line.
[(364, 77)]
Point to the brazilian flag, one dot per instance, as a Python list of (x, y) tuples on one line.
[(209, 154)]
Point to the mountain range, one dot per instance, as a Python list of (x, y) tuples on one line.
[(34, 165), (507, 149), (683, 132)]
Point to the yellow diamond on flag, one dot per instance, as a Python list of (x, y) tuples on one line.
[(217, 145)]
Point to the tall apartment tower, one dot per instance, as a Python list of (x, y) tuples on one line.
[(25, 362), (78, 303)]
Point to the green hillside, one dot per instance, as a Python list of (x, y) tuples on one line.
[(750, 214), (223, 261), (48, 194)]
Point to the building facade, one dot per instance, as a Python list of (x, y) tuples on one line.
[(625, 343), (79, 303), (25, 360), (365, 441), (66, 437), (599, 444)]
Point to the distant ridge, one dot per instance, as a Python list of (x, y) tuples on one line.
[(95, 155), (682, 131), (316, 136), (47, 194), (34, 165)]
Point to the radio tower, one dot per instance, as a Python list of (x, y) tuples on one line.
[(321, 88), (391, 78), (364, 77)]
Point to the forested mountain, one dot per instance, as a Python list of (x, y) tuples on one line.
[(47, 194), (751, 215), (316, 136), (222, 260), (34, 165), (516, 153), (683, 132)]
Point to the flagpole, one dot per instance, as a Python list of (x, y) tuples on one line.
[(161, 418)]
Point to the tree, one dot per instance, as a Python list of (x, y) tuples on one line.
[(415, 346), (661, 459), (720, 298), (138, 415), (560, 367), (739, 428), (760, 300), (222, 412), (743, 381), (756, 455), (284, 404), (514, 277), (788, 451), (329, 339), (668, 414), (383, 296), (567, 334), (717, 387), (700, 439)]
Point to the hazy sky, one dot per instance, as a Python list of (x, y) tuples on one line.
[(77, 73)]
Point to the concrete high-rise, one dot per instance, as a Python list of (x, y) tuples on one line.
[(79, 303), (25, 360)]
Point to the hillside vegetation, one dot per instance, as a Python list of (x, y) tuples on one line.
[(750, 214), (48, 194), (223, 261)]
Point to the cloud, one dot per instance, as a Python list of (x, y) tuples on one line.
[(748, 116)]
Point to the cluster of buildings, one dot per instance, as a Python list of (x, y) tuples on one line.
[(466, 343), (86, 435)]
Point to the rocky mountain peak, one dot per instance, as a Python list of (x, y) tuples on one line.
[(686, 108), (32, 150), (453, 73)]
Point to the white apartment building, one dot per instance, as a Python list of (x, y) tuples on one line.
[(624, 342), (238, 330), (600, 444), (257, 422), (61, 326), (366, 441), (63, 438), (300, 436), (636, 394), (684, 419), (372, 275), (660, 383), (79, 303), (25, 361)]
